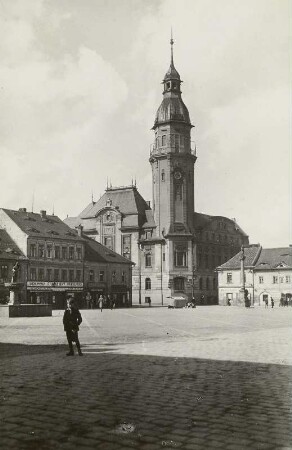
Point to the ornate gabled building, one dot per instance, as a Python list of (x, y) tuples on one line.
[(175, 250)]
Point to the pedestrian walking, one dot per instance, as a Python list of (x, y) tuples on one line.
[(71, 321), (272, 302), (100, 302)]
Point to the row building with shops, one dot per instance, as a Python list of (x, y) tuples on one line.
[(265, 274), (56, 262), (175, 249)]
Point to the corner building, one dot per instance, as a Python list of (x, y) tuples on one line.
[(175, 250)]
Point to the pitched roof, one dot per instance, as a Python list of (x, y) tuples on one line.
[(271, 258), (34, 225), (127, 199), (204, 220), (251, 254), (8, 248), (96, 252)]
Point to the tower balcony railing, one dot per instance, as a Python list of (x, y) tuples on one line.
[(172, 148)]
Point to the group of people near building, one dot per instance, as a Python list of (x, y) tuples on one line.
[(99, 302)]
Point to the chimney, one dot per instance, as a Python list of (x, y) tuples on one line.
[(22, 210), (43, 214), (80, 230)]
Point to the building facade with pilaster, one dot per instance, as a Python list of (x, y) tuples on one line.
[(174, 248)]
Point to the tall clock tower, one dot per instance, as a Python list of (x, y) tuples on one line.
[(172, 161)]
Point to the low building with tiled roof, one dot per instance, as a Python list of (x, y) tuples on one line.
[(267, 276)]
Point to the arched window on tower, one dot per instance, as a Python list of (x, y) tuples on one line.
[(147, 284), (162, 175)]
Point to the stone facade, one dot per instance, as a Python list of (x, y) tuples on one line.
[(175, 249), (267, 275)]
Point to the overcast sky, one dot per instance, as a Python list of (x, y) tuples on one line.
[(80, 83)]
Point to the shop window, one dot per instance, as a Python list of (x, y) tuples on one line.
[(229, 278), (32, 250), (33, 274), (57, 252), (71, 275), (64, 252), (101, 275), (178, 284), (147, 284), (71, 252), (56, 274)]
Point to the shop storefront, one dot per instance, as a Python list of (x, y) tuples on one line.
[(120, 294), (54, 293)]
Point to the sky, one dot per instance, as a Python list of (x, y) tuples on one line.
[(80, 84)]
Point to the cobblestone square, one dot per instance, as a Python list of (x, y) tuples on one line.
[(151, 378)]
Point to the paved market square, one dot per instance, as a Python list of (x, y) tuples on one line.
[(151, 378)]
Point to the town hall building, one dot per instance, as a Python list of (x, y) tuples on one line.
[(174, 248)]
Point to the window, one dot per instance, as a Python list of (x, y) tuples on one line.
[(126, 246), (57, 252), (71, 252), (41, 275), (178, 284), (180, 257), (147, 283), (78, 275), (229, 278), (148, 234), (101, 275), (162, 175), (32, 250), (91, 275), (49, 251), (64, 275), (71, 275), (78, 252), (4, 273), (41, 251), (163, 140), (281, 279), (275, 279), (114, 275), (163, 256), (64, 252), (148, 260), (108, 242), (49, 274), (288, 279), (206, 261), (200, 283), (123, 276), (56, 274), (33, 273), (261, 280)]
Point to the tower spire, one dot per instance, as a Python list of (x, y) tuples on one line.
[(171, 46)]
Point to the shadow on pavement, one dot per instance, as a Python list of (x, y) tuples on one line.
[(113, 401)]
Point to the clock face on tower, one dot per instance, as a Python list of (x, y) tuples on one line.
[(177, 175)]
